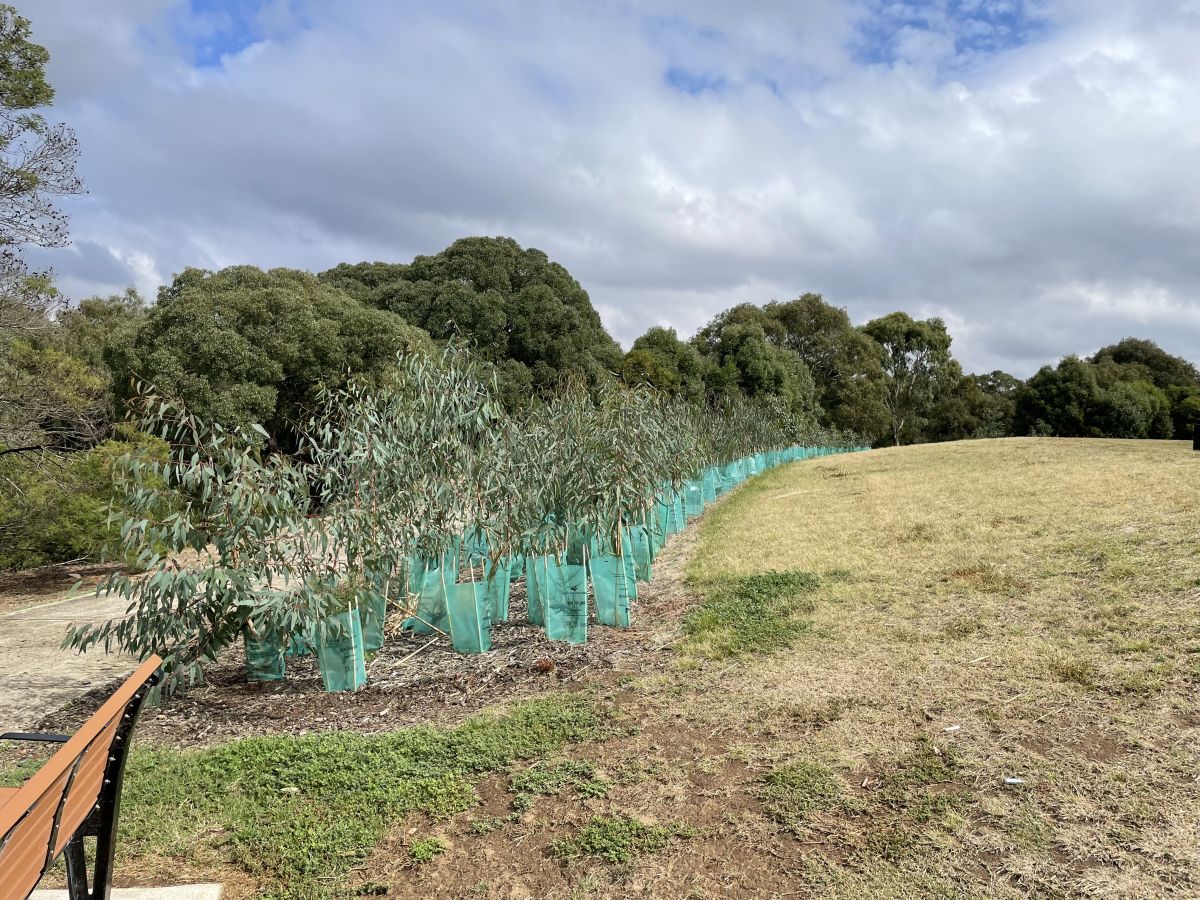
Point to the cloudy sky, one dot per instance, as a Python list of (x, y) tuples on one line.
[(1029, 170)]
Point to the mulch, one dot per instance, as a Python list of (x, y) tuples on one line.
[(412, 680)]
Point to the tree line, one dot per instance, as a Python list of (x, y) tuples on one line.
[(243, 345)]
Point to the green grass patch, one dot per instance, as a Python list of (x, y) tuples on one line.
[(548, 780), (755, 614), (425, 849), (791, 794), (299, 812), (617, 839)]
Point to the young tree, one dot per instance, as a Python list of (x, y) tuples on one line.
[(916, 360)]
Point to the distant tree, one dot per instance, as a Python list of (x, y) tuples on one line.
[(746, 361), (1154, 364), (1057, 399), (845, 362), (973, 406), (242, 345), (1084, 399), (37, 159), (661, 359), (517, 310), (916, 360), (708, 339), (101, 329), (1185, 410), (360, 280), (42, 403)]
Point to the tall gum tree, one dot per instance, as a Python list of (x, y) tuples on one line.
[(916, 360)]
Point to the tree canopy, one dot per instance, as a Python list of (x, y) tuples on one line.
[(916, 360), (513, 306), (244, 345)]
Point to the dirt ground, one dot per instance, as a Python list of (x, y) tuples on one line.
[(34, 587)]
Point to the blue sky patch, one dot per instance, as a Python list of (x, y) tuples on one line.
[(212, 29), (964, 30)]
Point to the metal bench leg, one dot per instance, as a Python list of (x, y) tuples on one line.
[(77, 880)]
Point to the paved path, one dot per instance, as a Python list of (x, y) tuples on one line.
[(36, 677)]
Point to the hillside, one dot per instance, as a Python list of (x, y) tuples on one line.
[(1019, 608)]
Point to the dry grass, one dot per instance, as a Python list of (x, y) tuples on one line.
[(1039, 595)]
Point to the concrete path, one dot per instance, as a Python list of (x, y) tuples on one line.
[(36, 677), (185, 892)]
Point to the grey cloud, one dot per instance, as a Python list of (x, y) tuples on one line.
[(1038, 199)]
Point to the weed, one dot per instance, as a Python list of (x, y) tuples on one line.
[(754, 614), (823, 713), (1073, 669), (962, 627), (617, 839), (425, 849), (539, 780), (793, 793), (487, 824)]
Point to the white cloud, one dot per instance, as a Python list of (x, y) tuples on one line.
[(999, 188)]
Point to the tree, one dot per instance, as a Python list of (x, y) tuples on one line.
[(745, 361), (101, 330), (916, 361), (974, 406), (37, 163), (845, 362), (37, 159), (242, 345), (660, 359), (1056, 400), (518, 310), (1155, 364)]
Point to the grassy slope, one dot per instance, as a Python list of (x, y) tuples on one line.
[(1040, 595), (1039, 598)]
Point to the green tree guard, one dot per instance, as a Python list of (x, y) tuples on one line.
[(341, 654), (373, 611), (470, 617), (431, 615), (498, 582), (614, 586), (639, 542), (566, 602), (264, 658), (693, 499), (535, 588)]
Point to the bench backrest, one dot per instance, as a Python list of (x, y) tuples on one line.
[(39, 820)]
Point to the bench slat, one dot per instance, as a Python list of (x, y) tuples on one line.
[(23, 856), (65, 757)]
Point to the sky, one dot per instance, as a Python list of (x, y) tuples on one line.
[(1028, 170)]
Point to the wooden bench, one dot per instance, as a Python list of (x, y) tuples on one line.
[(76, 794)]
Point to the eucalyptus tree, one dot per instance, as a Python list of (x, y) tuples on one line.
[(216, 526)]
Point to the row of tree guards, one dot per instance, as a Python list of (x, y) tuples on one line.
[(419, 494), (465, 592)]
